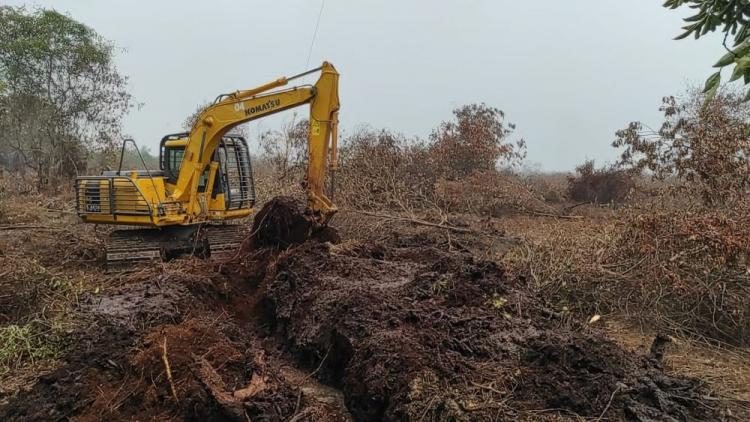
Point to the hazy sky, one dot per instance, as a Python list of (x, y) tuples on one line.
[(568, 73)]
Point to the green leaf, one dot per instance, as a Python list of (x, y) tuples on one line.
[(746, 98), (733, 55), (498, 302), (695, 18), (743, 64), (726, 59), (712, 82), (741, 35), (736, 74), (682, 36)]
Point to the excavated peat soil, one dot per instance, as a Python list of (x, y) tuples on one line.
[(409, 332), (307, 330)]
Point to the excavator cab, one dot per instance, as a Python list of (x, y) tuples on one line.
[(233, 187)]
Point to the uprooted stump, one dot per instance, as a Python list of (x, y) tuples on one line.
[(115, 376), (214, 377), (414, 333), (284, 221)]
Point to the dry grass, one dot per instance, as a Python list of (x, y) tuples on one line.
[(30, 343), (47, 261), (563, 259), (490, 193), (680, 271), (552, 187), (692, 267)]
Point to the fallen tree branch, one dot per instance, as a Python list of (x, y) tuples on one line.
[(612, 397), (412, 220), (31, 227), (566, 210), (300, 416), (561, 216)]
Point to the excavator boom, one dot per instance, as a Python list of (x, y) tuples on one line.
[(244, 106)]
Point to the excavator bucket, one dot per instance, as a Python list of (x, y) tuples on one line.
[(284, 222)]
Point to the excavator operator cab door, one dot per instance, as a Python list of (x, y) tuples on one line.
[(235, 174), (233, 187)]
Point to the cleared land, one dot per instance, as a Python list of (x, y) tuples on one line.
[(412, 323)]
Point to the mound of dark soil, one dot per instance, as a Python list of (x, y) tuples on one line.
[(284, 221), (415, 333)]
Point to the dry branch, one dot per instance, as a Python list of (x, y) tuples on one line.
[(412, 221), (31, 227), (566, 210), (560, 216), (168, 369)]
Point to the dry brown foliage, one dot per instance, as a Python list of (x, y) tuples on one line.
[(475, 141), (490, 193), (384, 170), (683, 271), (599, 186), (682, 249), (705, 146), (690, 267), (285, 150), (553, 187)]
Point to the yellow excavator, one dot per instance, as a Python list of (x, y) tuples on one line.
[(205, 177)]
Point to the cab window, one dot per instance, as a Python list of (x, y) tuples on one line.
[(171, 162)]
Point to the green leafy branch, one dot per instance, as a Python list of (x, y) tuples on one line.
[(732, 17)]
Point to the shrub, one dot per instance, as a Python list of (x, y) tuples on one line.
[(477, 140), (385, 170), (704, 146), (552, 187), (22, 344), (599, 186), (489, 193), (692, 268)]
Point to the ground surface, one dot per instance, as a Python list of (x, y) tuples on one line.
[(408, 325)]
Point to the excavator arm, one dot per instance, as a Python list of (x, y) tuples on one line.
[(233, 109)]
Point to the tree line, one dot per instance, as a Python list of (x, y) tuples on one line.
[(62, 98), (62, 101)]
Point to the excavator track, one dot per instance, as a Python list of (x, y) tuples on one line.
[(127, 249), (225, 241), (131, 249)]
